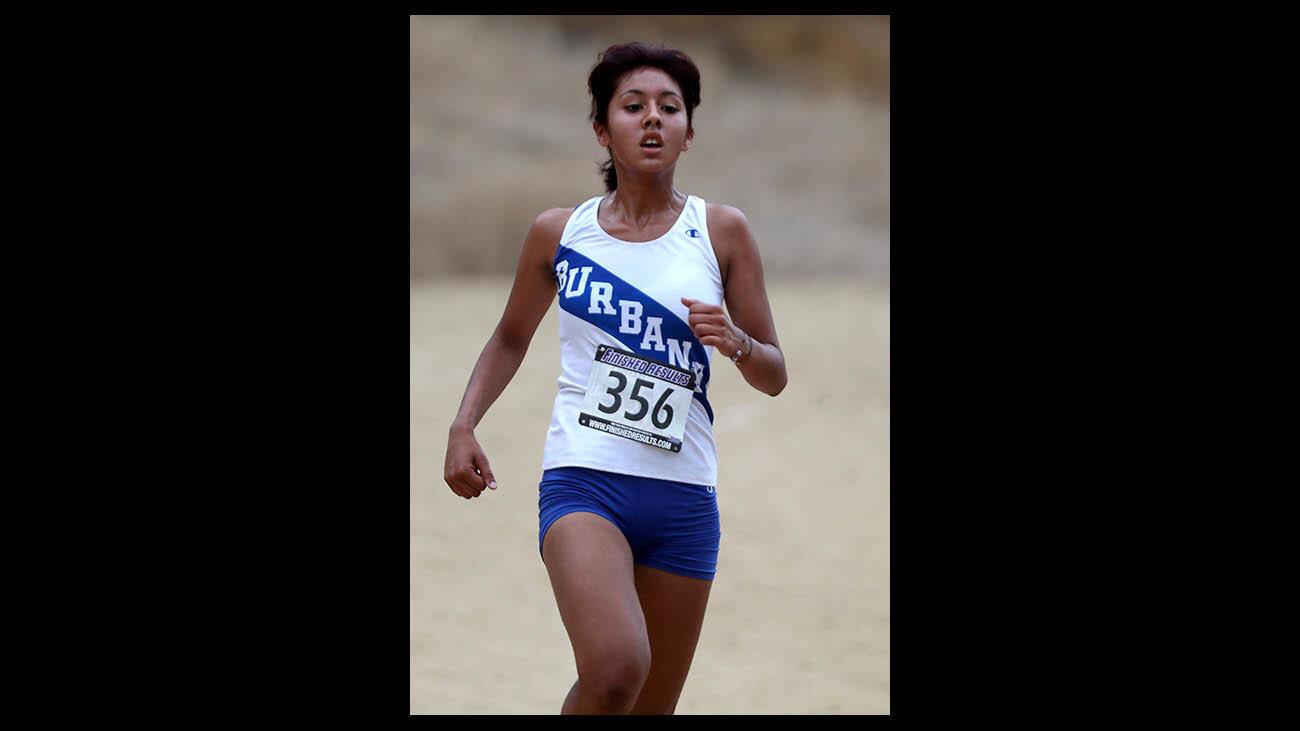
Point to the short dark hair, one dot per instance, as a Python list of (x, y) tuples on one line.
[(621, 58)]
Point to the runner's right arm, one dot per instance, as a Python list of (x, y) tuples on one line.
[(466, 469)]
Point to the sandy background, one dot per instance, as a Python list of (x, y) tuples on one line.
[(798, 619), (793, 130), (797, 139)]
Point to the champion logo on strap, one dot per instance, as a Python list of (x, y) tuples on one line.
[(693, 233)]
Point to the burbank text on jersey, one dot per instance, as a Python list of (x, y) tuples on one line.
[(598, 299)]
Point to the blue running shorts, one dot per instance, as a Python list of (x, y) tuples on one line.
[(671, 526)]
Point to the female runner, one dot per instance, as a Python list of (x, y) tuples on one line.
[(628, 515)]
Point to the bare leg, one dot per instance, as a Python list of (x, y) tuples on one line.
[(674, 613), (590, 567)]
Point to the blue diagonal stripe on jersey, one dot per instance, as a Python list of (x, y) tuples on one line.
[(672, 326)]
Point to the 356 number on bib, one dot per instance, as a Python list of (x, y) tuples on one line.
[(638, 398)]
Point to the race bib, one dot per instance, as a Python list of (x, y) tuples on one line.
[(638, 398)]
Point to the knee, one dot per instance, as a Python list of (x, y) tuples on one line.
[(614, 679)]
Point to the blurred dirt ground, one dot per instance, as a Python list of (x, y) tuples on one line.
[(793, 129), (798, 619)]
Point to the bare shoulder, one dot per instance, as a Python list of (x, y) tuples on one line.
[(552, 220), (544, 235), (727, 221)]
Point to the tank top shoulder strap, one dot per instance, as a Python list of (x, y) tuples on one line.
[(699, 207), (580, 219), (696, 229)]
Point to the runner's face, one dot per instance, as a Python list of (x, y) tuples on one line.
[(647, 105)]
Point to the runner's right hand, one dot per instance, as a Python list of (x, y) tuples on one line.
[(466, 470)]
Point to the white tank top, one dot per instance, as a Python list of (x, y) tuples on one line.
[(627, 296)]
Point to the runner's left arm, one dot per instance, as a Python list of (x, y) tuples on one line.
[(750, 327)]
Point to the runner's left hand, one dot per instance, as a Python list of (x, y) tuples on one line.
[(712, 327)]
